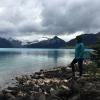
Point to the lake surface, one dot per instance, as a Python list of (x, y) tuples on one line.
[(18, 61)]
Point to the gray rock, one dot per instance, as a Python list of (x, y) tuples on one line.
[(10, 96)]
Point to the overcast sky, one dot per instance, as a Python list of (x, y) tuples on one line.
[(33, 19)]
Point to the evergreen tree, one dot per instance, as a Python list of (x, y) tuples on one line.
[(96, 52)]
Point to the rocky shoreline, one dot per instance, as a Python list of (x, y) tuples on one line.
[(54, 84)]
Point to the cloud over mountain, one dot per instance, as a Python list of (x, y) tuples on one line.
[(50, 17)]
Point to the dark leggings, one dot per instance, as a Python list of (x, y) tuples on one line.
[(80, 65)]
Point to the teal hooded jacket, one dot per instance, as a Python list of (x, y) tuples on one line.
[(79, 51)]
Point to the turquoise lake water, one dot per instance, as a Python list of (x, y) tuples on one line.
[(18, 61)]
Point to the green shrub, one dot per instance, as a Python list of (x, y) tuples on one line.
[(92, 70), (96, 53)]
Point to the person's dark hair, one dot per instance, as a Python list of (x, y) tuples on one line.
[(79, 39)]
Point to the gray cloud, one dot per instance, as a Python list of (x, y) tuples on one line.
[(6, 27), (71, 15), (28, 17), (28, 26)]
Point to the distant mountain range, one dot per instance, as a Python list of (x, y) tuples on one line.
[(15, 43), (88, 40), (4, 43), (9, 43), (55, 42)]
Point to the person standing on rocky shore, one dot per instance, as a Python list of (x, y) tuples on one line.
[(79, 56)]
